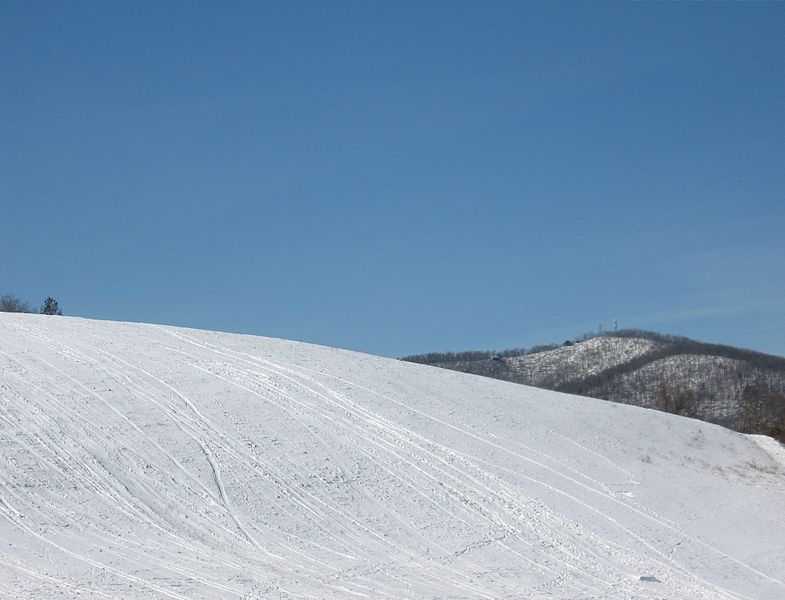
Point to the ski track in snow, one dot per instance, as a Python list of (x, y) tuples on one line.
[(156, 462)]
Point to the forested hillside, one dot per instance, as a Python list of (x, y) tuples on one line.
[(737, 388)]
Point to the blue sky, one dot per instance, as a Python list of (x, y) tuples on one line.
[(399, 177)]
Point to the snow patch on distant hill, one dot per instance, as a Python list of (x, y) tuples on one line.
[(580, 360)]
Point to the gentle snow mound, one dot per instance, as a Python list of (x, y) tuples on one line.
[(141, 461)]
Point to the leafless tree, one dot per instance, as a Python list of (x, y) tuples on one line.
[(10, 303)]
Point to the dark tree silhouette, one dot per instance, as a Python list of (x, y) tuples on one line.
[(50, 307)]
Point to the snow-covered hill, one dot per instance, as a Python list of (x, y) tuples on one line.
[(581, 360), (733, 387), (141, 461)]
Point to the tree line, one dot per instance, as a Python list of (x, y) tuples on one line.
[(10, 303), (474, 355)]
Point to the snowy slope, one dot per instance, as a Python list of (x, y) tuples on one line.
[(141, 461), (578, 361)]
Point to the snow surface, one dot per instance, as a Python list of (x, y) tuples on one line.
[(141, 461), (580, 360)]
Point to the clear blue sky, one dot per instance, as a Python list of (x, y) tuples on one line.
[(399, 177)]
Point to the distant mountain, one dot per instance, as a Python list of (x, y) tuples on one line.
[(737, 388)]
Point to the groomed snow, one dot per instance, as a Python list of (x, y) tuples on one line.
[(141, 461)]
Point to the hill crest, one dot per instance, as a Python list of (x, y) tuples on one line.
[(149, 461)]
